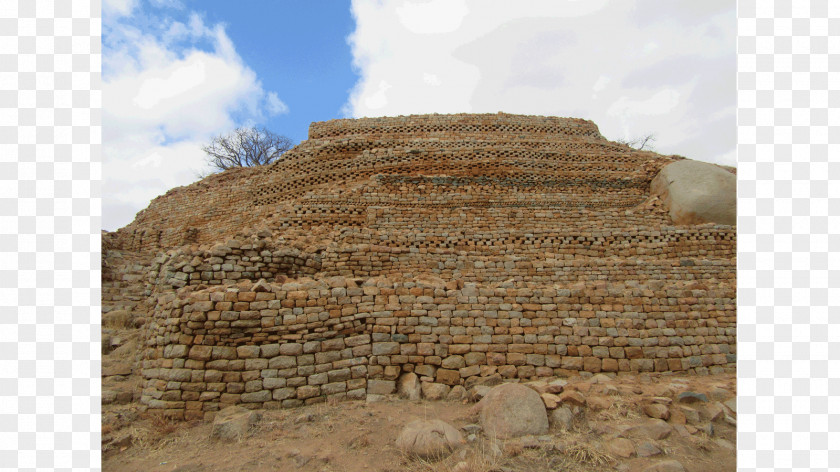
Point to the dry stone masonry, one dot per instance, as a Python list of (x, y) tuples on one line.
[(454, 247)]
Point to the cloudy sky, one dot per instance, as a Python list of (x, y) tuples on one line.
[(178, 72)]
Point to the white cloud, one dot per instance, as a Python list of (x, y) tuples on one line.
[(431, 79), (117, 8), (601, 83), (433, 16), (166, 96), (178, 80), (378, 99), (274, 105), (650, 68), (661, 103), (175, 4)]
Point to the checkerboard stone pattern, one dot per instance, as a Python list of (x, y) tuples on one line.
[(789, 235), (49, 234)]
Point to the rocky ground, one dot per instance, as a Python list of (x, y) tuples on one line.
[(640, 422)]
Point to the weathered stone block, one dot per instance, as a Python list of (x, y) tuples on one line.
[(307, 391), (256, 397), (384, 349), (282, 362), (448, 377), (381, 387), (201, 353), (291, 349)]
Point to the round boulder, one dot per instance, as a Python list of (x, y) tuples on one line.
[(696, 192), (512, 410), (429, 439)]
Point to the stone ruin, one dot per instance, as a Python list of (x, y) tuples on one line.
[(452, 246)]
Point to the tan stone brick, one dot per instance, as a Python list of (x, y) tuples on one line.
[(448, 377)]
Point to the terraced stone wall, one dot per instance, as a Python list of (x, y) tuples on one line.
[(206, 211), (275, 346), (429, 163), (453, 246), (533, 248)]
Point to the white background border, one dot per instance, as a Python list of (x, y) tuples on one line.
[(788, 241)]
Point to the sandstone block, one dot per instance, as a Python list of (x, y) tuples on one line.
[(380, 387), (291, 349), (384, 349), (448, 377), (434, 391), (453, 362), (307, 391)]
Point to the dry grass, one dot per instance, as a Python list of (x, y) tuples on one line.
[(580, 452), (163, 426), (620, 410), (586, 453), (359, 442), (355, 436), (705, 442), (157, 432), (477, 457), (270, 423)]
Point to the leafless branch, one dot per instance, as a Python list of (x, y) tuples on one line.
[(246, 147), (642, 143)]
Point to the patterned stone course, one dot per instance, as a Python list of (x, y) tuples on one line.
[(473, 161)]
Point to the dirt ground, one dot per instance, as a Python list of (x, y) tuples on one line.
[(360, 436)]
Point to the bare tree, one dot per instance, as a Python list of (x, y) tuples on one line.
[(641, 143), (246, 147)]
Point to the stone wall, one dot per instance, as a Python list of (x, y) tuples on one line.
[(475, 246), (417, 162), (274, 346), (453, 246), (229, 263)]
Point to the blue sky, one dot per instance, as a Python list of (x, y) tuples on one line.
[(178, 72), (296, 50)]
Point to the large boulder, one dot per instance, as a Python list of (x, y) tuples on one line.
[(512, 410), (232, 423), (696, 192), (429, 439)]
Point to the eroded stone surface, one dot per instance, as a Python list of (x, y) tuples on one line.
[(232, 423), (513, 410), (429, 438), (697, 192)]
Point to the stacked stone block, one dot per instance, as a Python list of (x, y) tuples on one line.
[(294, 344), (427, 161), (452, 246)]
